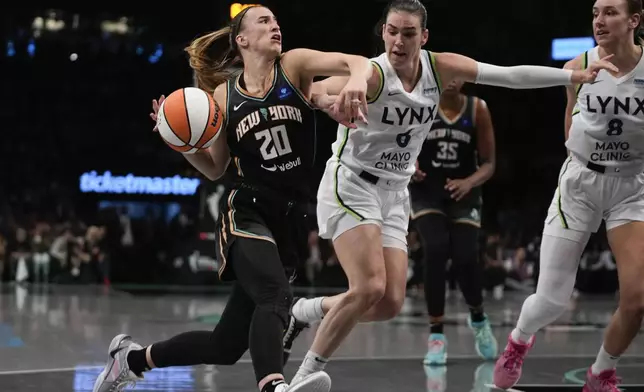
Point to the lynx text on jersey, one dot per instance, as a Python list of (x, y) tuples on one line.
[(408, 116)]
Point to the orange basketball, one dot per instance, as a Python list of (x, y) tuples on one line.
[(189, 120)]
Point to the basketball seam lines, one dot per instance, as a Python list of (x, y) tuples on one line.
[(170, 126), (185, 105), (203, 132)]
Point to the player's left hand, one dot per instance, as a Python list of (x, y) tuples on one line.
[(458, 188), (353, 98), (589, 74), (155, 111)]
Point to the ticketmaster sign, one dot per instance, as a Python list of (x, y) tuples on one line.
[(130, 184)]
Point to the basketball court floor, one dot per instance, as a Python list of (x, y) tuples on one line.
[(55, 338)]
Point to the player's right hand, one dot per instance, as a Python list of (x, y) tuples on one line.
[(327, 103), (155, 111), (589, 74), (353, 97), (418, 175)]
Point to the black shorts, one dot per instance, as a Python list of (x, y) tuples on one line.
[(434, 199), (257, 213)]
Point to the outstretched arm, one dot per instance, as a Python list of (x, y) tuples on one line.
[(335, 84), (302, 65), (305, 64), (456, 67)]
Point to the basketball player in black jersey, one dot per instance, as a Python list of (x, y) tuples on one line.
[(269, 136), (458, 156)]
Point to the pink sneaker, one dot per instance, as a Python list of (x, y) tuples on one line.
[(507, 370), (605, 381)]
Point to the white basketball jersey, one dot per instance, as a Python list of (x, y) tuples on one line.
[(608, 119), (389, 144)]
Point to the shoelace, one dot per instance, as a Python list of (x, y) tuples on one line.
[(610, 382), (291, 332), (436, 345), (514, 358), (123, 384), (123, 380), (483, 335)]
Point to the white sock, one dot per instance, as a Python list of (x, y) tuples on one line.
[(308, 310), (312, 363), (604, 361), (520, 336)]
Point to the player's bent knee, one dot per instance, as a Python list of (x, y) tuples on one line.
[(276, 299), (631, 301), (280, 305), (389, 306), (368, 293)]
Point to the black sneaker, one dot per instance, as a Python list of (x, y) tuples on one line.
[(293, 330)]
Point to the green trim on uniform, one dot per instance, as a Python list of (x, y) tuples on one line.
[(336, 190), (345, 207), (584, 66), (345, 139), (381, 83), (432, 64), (560, 212)]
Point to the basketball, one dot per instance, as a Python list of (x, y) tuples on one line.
[(189, 120)]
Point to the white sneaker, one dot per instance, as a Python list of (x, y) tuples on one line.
[(117, 374), (314, 382)]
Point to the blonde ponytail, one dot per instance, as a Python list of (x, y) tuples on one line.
[(211, 71)]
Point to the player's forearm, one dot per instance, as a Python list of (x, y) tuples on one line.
[(319, 95), (359, 67), (484, 173), (207, 165), (524, 76)]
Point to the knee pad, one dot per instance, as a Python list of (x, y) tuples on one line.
[(279, 303), (537, 312), (558, 263)]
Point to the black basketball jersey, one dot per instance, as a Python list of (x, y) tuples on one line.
[(450, 149), (272, 140)]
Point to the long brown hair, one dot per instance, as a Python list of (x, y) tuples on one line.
[(635, 7), (212, 55)]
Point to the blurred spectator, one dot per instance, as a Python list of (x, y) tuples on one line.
[(3, 256), (60, 248), (19, 255), (494, 273)]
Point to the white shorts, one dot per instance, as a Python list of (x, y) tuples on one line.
[(345, 201), (584, 197)]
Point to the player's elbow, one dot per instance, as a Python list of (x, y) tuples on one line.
[(490, 166), (215, 172), (213, 175)]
